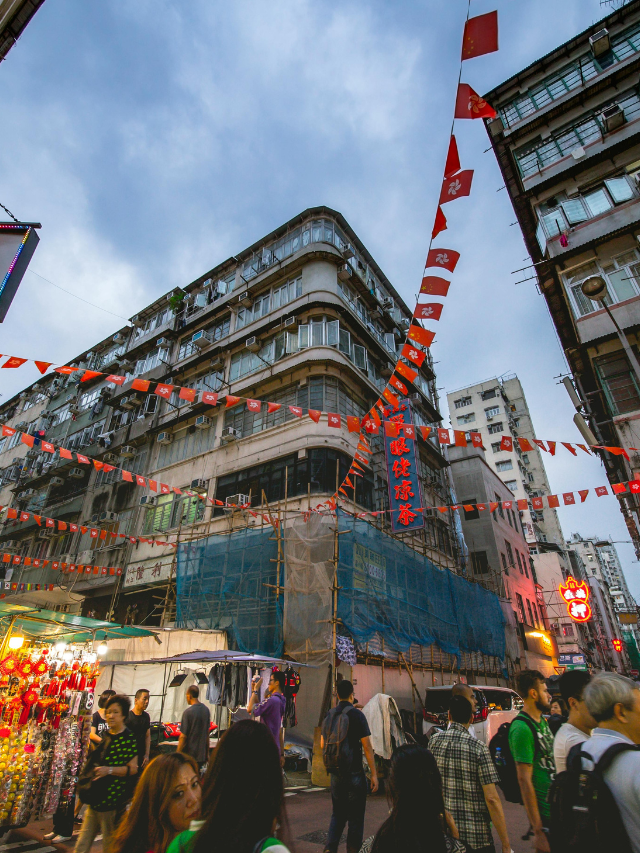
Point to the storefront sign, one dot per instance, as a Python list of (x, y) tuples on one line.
[(370, 568), (576, 597), (150, 571), (405, 497), (572, 661)]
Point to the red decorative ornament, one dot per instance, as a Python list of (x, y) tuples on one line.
[(26, 668), (9, 665)]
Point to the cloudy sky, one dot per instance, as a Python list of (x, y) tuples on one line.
[(155, 139)]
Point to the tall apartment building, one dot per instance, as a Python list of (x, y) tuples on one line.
[(567, 140), (302, 318), (495, 408)]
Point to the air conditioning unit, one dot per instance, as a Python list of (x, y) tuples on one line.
[(612, 118), (377, 314), (347, 252), (404, 324), (111, 458), (345, 272), (216, 363), (162, 342), (415, 398), (56, 481), (388, 304), (201, 339), (291, 323), (148, 500), (108, 516), (387, 369), (237, 500), (46, 533), (118, 338), (252, 344), (600, 42), (106, 391), (94, 518), (9, 545), (131, 401), (490, 417), (23, 426), (76, 473), (202, 422), (164, 438), (199, 484), (28, 493), (32, 454), (127, 451), (74, 410), (229, 434), (245, 299)]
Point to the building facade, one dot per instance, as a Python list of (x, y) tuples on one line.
[(567, 140), (499, 556), (305, 319)]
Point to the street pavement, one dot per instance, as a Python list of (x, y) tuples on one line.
[(308, 814)]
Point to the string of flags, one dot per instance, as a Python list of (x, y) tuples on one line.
[(56, 565)]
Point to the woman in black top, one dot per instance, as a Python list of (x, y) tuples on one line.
[(116, 762)]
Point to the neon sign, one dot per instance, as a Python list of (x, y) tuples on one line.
[(576, 597), (617, 644)]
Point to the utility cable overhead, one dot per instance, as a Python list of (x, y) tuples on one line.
[(81, 298)]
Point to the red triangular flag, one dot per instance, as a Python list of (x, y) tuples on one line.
[(552, 447), (413, 354), (525, 444), (399, 386), (140, 385), (440, 224), (90, 374), (254, 405), (14, 361), (314, 414), (390, 429), (425, 430), (470, 105), (43, 366), (231, 400), (453, 160), (444, 258), (188, 394), (480, 35), (540, 444), (456, 187), (273, 407), (569, 448), (353, 423), (583, 495)]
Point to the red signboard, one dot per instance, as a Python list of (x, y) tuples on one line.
[(576, 596)]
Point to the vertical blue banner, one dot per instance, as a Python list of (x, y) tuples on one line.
[(405, 497)]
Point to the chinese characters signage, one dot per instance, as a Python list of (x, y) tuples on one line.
[(402, 471), (369, 567), (576, 597), (151, 571)]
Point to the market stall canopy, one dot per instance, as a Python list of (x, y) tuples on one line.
[(40, 624), (201, 656)]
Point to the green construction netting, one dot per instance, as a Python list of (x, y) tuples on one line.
[(632, 648), (227, 582), (390, 590)]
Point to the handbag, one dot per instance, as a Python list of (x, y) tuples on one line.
[(92, 791)]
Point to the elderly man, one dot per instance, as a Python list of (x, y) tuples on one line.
[(614, 703)]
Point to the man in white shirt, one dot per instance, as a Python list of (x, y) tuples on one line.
[(614, 702), (578, 727)]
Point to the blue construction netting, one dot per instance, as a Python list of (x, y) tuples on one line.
[(227, 582), (387, 589)]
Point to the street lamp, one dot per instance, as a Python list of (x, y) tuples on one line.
[(595, 288)]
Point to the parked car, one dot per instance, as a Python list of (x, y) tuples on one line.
[(496, 705)]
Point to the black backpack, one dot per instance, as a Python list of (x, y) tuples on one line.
[(337, 752), (503, 759), (584, 815)]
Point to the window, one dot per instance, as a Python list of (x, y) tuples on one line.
[(511, 484), (147, 326), (524, 563), (479, 562), (520, 569), (510, 560), (471, 514), (520, 606), (505, 565), (488, 395), (505, 465), (525, 458), (567, 630), (619, 383), (492, 412), (498, 500), (619, 189), (186, 444), (215, 333), (493, 428), (267, 302), (532, 620), (496, 447), (461, 402), (466, 419), (151, 360), (172, 511), (88, 398)]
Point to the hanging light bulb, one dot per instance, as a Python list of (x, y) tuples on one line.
[(16, 642), (103, 648)]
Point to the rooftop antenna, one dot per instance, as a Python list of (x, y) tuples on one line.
[(614, 4)]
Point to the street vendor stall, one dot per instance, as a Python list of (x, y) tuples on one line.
[(48, 672)]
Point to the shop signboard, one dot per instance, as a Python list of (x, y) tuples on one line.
[(18, 241), (405, 497), (572, 661), (148, 571), (369, 568)]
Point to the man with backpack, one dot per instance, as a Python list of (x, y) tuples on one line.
[(531, 745), (614, 702), (345, 734), (578, 727)]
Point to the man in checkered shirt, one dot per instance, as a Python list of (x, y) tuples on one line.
[(469, 781)]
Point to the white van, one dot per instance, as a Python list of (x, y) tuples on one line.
[(496, 705)]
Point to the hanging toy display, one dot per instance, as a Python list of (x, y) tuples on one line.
[(46, 699)]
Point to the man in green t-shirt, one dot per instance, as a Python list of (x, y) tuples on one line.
[(534, 754)]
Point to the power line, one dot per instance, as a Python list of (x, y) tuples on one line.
[(6, 210), (82, 299)]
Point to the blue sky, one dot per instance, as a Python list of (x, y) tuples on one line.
[(155, 139)]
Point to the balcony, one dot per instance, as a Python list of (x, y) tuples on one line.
[(167, 329)]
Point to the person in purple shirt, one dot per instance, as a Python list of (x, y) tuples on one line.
[(271, 709)]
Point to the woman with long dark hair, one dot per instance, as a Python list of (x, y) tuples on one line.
[(418, 821), (242, 797), (166, 801)]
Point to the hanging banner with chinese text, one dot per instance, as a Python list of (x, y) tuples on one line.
[(405, 497)]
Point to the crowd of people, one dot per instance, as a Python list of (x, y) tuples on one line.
[(443, 798)]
